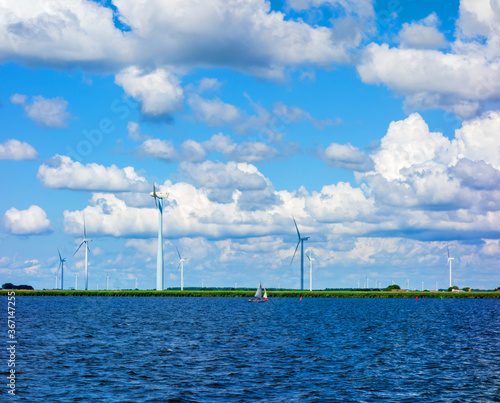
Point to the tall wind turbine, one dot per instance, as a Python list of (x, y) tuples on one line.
[(181, 264), (61, 265), (86, 242), (159, 196), (309, 256), (449, 261), (301, 243)]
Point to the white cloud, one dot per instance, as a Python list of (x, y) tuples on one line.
[(193, 151), (187, 34), (339, 203), (461, 80), (134, 132), (346, 156), (61, 172), (47, 113), (214, 112), (408, 143), (159, 92), (160, 149), (423, 34), (14, 149), (32, 221), (18, 99)]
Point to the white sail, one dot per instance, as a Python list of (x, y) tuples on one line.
[(265, 293), (258, 294)]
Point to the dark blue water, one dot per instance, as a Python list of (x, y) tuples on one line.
[(98, 349)]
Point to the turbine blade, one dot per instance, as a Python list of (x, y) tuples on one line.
[(78, 248), (297, 247), (59, 253), (84, 229), (308, 256), (298, 233), (178, 252), (448, 251)]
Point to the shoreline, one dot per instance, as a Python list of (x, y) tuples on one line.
[(250, 294)]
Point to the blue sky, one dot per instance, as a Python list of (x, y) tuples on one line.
[(376, 124)]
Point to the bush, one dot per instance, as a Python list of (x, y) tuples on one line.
[(392, 287)]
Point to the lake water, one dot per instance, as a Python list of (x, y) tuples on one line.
[(125, 349)]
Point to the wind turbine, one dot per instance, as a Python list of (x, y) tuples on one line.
[(159, 196), (449, 261), (301, 243), (181, 264), (76, 281), (61, 265), (86, 242), (310, 270)]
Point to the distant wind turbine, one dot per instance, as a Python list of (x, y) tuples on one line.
[(449, 261), (85, 241), (309, 256), (181, 264), (56, 282), (159, 196), (301, 243), (76, 281), (61, 265)]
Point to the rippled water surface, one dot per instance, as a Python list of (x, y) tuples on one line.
[(118, 349)]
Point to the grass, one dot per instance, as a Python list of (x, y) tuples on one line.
[(249, 294)]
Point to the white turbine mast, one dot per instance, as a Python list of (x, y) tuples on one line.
[(301, 243), (181, 265), (61, 266), (449, 261), (87, 249), (76, 281), (159, 196), (311, 259)]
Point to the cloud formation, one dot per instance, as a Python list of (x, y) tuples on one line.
[(32, 221), (50, 32), (460, 80), (14, 149), (46, 113), (63, 173)]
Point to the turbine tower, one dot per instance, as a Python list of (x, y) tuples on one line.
[(310, 270), (86, 242), (301, 243), (159, 196), (61, 265), (449, 261), (181, 264), (76, 281)]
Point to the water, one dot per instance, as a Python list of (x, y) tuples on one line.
[(98, 349)]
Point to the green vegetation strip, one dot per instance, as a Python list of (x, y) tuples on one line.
[(249, 294)]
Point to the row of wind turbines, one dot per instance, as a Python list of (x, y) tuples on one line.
[(158, 198)]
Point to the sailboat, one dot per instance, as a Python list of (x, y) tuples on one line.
[(258, 295)]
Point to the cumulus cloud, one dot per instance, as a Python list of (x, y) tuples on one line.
[(270, 123), (346, 156), (46, 113), (423, 34), (184, 34), (460, 80), (222, 180), (32, 221), (214, 112), (160, 149), (14, 149), (159, 92), (134, 132), (62, 172)]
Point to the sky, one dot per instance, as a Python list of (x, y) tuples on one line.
[(376, 124)]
